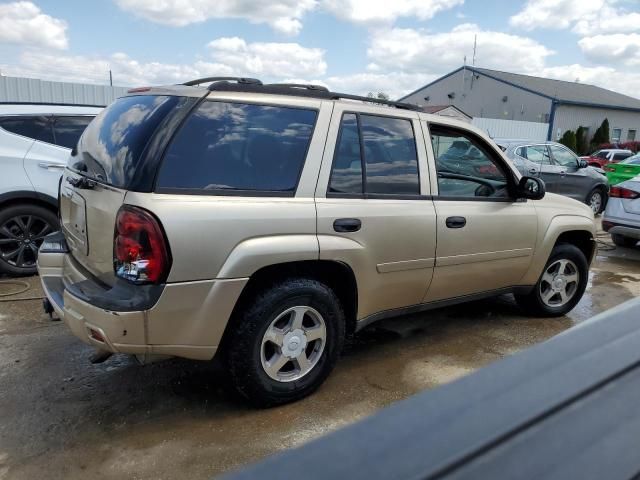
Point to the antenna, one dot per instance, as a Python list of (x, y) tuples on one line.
[(475, 44)]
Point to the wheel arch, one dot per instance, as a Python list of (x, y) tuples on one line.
[(29, 197), (335, 274)]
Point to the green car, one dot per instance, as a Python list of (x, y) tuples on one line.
[(624, 170)]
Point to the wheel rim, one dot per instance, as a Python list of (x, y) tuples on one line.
[(293, 344), (559, 283), (596, 202), (20, 239)]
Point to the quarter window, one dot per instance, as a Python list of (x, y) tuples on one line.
[(38, 128), (375, 155), (67, 130), (235, 146), (466, 167)]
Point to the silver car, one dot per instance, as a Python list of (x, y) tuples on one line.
[(562, 170), (622, 216)]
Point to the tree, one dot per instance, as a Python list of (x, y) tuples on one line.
[(379, 95), (569, 140), (601, 136), (582, 142)]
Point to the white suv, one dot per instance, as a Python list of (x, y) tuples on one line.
[(35, 141)]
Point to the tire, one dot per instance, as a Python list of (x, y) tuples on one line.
[(250, 346), (18, 254), (622, 241), (533, 302), (591, 200)]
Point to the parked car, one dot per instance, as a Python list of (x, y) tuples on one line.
[(267, 223), (622, 216), (603, 157), (624, 170), (562, 171), (35, 141)]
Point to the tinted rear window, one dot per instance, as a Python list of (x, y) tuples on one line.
[(234, 146), (112, 145), (36, 127)]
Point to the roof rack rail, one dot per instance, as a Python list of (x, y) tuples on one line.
[(306, 86), (240, 80), (302, 90)]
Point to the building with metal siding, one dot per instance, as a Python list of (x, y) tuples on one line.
[(31, 90), (485, 93)]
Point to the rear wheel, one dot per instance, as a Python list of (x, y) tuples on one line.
[(22, 230), (285, 341), (597, 200), (622, 241), (561, 284)]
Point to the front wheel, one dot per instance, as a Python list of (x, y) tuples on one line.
[(285, 341), (597, 200), (561, 284)]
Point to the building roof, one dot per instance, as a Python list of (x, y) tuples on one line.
[(564, 92)]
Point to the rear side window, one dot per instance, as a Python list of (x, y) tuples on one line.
[(112, 145), (239, 147), (620, 156), (36, 127), (67, 130), (375, 155)]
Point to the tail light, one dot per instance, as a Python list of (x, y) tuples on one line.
[(140, 250), (621, 192)]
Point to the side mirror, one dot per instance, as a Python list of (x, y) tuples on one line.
[(582, 163), (531, 187)]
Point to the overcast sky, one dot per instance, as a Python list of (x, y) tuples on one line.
[(356, 46)]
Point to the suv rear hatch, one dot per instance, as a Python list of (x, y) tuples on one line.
[(109, 161)]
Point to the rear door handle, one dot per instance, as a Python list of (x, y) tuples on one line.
[(533, 170), (347, 225), (49, 165), (456, 222)]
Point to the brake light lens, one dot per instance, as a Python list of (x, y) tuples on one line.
[(140, 250), (621, 192)]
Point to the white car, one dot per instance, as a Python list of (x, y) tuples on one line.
[(35, 141), (622, 216)]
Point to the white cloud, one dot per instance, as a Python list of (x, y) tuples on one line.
[(282, 15), (386, 12), (414, 51), (230, 57), (612, 49), (24, 23), (626, 82), (585, 17), (268, 59), (394, 84)]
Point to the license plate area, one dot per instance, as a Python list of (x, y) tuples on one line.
[(74, 220)]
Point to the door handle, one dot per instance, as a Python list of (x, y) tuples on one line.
[(533, 170), (563, 172), (456, 222), (347, 225), (48, 165)]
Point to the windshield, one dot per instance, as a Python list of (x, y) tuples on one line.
[(112, 145)]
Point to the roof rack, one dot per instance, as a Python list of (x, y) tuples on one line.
[(239, 80), (302, 90)]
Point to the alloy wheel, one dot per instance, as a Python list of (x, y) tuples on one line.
[(559, 283), (293, 344), (596, 202), (20, 239)]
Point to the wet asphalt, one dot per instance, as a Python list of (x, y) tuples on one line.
[(62, 417)]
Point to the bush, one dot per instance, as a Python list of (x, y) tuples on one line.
[(601, 136), (582, 142), (633, 146), (569, 140)]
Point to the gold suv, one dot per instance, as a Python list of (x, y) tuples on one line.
[(267, 223)]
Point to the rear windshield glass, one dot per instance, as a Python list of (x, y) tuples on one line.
[(111, 146)]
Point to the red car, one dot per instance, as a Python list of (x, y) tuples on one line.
[(601, 158)]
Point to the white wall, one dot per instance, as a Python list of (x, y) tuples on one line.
[(512, 129)]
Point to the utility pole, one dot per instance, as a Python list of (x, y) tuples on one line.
[(110, 79), (475, 43)]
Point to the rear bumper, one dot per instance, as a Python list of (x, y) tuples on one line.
[(181, 319), (621, 229)]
